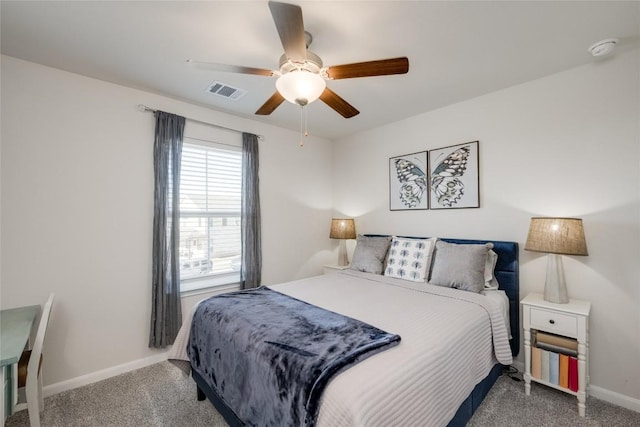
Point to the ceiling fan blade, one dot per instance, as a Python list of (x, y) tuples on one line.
[(271, 104), (341, 106), (288, 20), (233, 68), (383, 67)]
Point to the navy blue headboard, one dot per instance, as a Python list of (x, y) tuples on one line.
[(507, 274)]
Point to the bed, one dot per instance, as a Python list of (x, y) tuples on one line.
[(415, 382)]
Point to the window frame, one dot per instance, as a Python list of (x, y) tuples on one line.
[(216, 281)]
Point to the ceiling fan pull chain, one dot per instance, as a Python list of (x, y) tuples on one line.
[(302, 126)]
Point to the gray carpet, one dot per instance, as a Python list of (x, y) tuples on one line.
[(159, 395)]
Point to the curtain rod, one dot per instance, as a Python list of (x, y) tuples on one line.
[(144, 108)]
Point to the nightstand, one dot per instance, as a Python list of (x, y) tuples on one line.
[(567, 324), (330, 269)]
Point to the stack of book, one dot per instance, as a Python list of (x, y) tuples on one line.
[(554, 359)]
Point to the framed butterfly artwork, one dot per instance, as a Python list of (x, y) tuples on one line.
[(454, 179), (408, 183)]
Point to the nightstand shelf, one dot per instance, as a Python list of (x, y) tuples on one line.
[(334, 268), (569, 323)]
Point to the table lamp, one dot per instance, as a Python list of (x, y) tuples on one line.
[(342, 228), (556, 236)]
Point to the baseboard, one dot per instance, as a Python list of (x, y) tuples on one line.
[(615, 398), (93, 377), (601, 393)]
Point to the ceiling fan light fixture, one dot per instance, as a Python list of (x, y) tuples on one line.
[(300, 87)]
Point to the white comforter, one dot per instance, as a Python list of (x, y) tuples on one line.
[(450, 341)]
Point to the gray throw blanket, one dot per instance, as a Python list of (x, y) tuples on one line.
[(269, 356)]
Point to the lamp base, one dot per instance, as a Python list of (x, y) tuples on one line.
[(343, 260), (555, 288)]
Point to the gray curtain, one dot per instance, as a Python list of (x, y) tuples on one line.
[(251, 266), (166, 314)]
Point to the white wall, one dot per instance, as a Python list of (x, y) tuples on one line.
[(77, 210), (564, 145)]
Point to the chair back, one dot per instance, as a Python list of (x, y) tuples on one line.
[(36, 350)]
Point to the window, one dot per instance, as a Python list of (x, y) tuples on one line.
[(210, 196)]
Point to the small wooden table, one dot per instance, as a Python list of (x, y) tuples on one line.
[(15, 330)]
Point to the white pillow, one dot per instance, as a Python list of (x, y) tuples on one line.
[(490, 281), (410, 259)]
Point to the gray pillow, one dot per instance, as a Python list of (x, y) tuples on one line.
[(460, 266), (370, 253)]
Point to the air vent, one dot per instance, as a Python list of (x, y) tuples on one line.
[(226, 91)]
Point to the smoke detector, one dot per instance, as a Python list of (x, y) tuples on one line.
[(603, 47)]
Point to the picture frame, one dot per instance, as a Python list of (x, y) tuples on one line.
[(454, 176), (408, 182)]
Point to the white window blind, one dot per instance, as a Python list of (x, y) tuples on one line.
[(210, 196)]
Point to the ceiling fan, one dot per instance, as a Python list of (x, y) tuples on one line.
[(301, 74)]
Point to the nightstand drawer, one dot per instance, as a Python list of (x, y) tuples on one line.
[(552, 321)]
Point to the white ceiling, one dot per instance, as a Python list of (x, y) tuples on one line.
[(456, 50)]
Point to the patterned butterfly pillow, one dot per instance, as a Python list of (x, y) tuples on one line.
[(410, 259)]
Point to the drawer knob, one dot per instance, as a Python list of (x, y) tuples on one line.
[(552, 321)]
